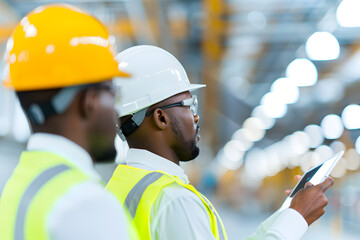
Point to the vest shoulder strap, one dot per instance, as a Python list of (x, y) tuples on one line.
[(38, 181), (145, 189)]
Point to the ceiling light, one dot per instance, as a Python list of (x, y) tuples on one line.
[(347, 13), (332, 126), (315, 135), (322, 46), (286, 89), (303, 72), (350, 116)]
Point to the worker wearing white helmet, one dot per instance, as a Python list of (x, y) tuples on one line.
[(158, 118)]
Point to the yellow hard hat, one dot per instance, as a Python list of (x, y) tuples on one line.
[(57, 46)]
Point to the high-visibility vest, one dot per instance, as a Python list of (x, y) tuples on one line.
[(138, 190), (38, 181)]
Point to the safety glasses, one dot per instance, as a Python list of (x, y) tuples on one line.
[(39, 112), (192, 103)]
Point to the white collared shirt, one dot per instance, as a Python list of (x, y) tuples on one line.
[(179, 214), (87, 210)]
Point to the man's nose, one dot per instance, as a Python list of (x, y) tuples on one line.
[(196, 118)]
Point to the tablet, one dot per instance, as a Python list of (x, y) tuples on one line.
[(315, 175)]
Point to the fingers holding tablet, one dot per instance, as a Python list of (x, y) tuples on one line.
[(310, 201)]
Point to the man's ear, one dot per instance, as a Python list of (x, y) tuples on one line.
[(88, 103), (161, 119)]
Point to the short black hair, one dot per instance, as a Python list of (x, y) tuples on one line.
[(27, 98)]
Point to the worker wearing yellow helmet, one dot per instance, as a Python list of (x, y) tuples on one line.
[(61, 64), (159, 120)]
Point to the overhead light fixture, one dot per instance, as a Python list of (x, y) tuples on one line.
[(273, 105), (256, 164), (286, 89), (357, 145), (324, 152), (231, 155), (241, 135), (255, 128), (259, 113), (322, 46), (303, 72), (347, 13), (332, 126), (338, 146), (315, 135), (257, 19), (350, 116), (352, 159)]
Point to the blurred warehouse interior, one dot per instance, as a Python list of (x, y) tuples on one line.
[(283, 83)]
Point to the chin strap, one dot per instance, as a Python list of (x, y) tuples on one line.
[(131, 124), (39, 112)]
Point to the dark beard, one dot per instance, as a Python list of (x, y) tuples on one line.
[(100, 152), (185, 151), (105, 156)]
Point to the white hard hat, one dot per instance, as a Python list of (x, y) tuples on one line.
[(155, 76)]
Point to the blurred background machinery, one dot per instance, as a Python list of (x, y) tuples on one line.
[(283, 83)]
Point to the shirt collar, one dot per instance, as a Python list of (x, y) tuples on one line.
[(144, 159), (64, 147)]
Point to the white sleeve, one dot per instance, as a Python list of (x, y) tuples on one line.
[(287, 224), (179, 214), (89, 212)]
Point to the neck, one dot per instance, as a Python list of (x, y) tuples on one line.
[(74, 134), (157, 147)]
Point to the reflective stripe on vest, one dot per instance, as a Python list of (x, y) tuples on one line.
[(30, 192), (218, 220), (133, 198), (138, 189), (37, 183)]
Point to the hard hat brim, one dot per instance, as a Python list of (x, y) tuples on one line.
[(188, 87), (9, 85), (196, 86), (123, 74)]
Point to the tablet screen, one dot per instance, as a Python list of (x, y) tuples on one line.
[(306, 178), (315, 176)]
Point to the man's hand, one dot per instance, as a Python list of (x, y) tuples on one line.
[(310, 202)]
